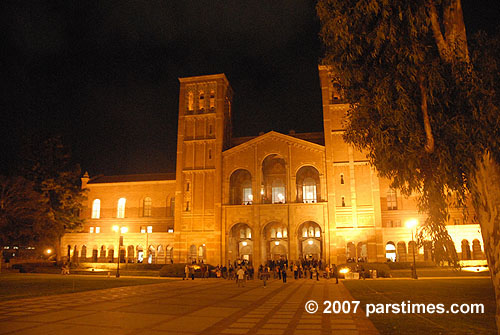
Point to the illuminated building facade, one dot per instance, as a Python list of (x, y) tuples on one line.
[(258, 198)]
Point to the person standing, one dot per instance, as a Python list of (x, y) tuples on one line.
[(186, 272), (191, 272), (295, 271), (240, 277), (317, 272), (265, 275), (327, 272), (335, 273), (283, 274)]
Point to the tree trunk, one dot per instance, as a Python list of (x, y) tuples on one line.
[(58, 249), (486, 196)]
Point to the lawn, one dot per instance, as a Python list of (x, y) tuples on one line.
[(445, 291), (17, 286)]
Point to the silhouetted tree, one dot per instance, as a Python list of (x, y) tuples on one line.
[(48, 165)]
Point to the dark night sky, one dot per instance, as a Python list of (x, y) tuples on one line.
[(104, 74)]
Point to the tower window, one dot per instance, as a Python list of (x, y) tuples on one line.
[(212, 99), (187, 187), (209, 153), (201, 100), (190, 101), (187, 206), (343, 201), (342, 178)]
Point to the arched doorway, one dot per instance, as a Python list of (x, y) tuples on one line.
[(151, 254), (275, 241), (95, 254), (240, 243), (362, 251), (140, 254), (477, 253), (310, 241), (103, 253), (466, 254), (130, 254), (390, 251)]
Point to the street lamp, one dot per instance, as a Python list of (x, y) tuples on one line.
[(121, 230), (410, 224)]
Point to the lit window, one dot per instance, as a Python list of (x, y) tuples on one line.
[(317, 232), (143, 230), (249, 233), (278, 192), (304, 232), (147, 203), (279, 234), (201, 101), (212, 99), (96, 209), (309, 190), (285, 233), (311, 231), (150, 229), (247, 195), (91, 230), (97, 230), (120, 212), (170, 230), (190, 101), (392, 201)]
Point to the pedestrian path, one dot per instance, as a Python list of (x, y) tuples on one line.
[(187, 307)]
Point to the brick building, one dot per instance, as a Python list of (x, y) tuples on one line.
[(266, 197)]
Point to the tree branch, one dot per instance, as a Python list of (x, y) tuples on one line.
[(429, 145), (442, 45)]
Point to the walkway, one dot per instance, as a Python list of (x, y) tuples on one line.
[(187, 307)]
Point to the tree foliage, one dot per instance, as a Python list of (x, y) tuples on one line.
[(420, 106), (48, 165), (21, 211)]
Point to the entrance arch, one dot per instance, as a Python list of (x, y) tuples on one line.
[(310, 241), (275, 241), (390, 251), (240, 243)]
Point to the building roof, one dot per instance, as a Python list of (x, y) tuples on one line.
[(126, 178)]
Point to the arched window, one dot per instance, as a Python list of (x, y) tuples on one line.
[(190, 101), (273, 233), (304, 232), (242, 233), (96, 209), (120, 211), (309, 190), (201, 100), (212, 99), (392, 201), (317, 232), (147, 204), (249, 233), (311, 231), (192, 252), (285, 233)]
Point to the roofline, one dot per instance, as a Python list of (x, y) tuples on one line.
[(204, 78), (132, 182), (270, 133)]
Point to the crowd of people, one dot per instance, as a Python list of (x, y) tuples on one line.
[(242, 271)]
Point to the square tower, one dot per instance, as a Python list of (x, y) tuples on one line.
[(204, 131)]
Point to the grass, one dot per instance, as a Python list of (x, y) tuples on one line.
[(17, 286), (438, 272), (445, 291)]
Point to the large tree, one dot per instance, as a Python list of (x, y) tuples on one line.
[(21, 210), (424, 105), (47, 163)]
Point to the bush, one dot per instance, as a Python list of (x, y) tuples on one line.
[(177, 270)]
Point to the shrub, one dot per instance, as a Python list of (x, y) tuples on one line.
[(383, 270), (407, 265)]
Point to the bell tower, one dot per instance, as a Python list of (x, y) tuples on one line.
[(204, 131)]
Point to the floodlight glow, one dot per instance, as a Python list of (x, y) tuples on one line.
[(411, 223), (48, 251), (344, 270), (277, 243), (310, 242), (124, 230), (244, 244), (115, 228)]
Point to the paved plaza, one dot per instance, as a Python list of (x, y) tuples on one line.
[(212, 306)]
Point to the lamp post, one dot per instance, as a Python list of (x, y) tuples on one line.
[(121, 230), (412, 223)]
